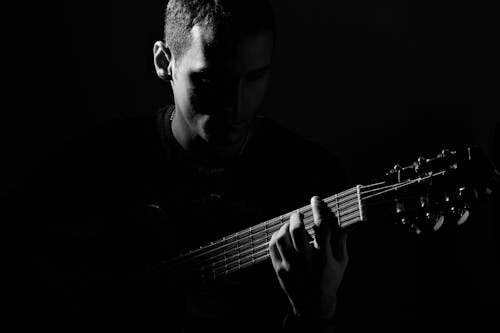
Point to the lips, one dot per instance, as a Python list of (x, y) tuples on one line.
[(225, 123)]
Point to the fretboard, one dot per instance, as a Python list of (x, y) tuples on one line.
[(250, 246)]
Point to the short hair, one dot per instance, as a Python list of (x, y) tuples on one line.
[(238, 16)]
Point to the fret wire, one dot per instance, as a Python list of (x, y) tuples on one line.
[(352, 216), (228, 258), (333, 204), (338, 210), (232, 256), (234, 237), (347, 198), (193, 255), (241, 242), (261, 255)]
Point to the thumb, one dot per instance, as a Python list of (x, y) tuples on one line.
[(322, 228), (339, 246)]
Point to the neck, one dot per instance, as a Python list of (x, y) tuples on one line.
[(250, 246), (198, 147)]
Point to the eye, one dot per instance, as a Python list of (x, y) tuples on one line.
[(201, 81), (254, 76)]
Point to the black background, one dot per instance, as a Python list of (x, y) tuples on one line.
[(376, 83)]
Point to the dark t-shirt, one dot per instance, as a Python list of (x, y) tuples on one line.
[(127, 196)]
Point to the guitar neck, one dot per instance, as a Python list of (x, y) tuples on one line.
[(250, 246), (427, 190)]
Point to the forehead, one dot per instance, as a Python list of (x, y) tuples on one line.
[(227, 53)]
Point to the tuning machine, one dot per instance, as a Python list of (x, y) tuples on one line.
[(421, 166), (460, 210), (460, 214), (430, 218)]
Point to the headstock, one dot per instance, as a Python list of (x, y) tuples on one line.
[(433, 191)]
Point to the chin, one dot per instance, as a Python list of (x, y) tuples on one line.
[(225, 139)]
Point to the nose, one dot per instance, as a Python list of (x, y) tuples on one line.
[(233, 97)]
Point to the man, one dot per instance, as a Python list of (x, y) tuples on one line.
[(136, 192)]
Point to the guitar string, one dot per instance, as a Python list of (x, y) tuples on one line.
[(411, 182), (247, 254), (250, 253), (276, 226), (223, 258), (203, 258), (243, 242), (234, 238), (253, 256), (348, 196), (308, 222)]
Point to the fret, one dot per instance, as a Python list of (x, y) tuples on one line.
[(258, 228), (238, 250), (225, 263), (337, 212), (243, 234), (359, 202), (266, 232), (251, 242), (250, 246), (254, 255)]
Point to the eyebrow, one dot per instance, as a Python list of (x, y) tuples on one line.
[(261, 69), (207, 71)]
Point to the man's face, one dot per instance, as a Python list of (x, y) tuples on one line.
[(220, 82)]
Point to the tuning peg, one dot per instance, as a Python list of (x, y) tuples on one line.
[(464, 215), (415, 229), (396, 168), (400, 208), (433, 221), (404, 221), (439, 221), (461, 213), (445, 152), (424, 201), (419, 165)]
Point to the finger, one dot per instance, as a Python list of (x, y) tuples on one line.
[(321, 227), (285, 246), (339, 241), (339, 247), (299, 235), (274, 252)]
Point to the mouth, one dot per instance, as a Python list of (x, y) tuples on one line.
[(228, 123)]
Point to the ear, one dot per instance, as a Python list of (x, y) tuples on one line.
[(163, 60)]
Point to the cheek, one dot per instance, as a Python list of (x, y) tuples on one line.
[(255, 93), (187, 97), (181, 93)]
